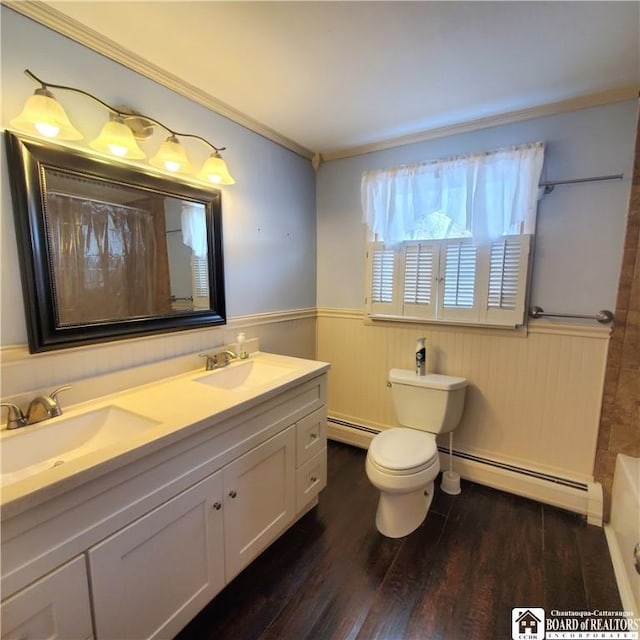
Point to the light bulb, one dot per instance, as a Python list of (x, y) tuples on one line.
[(117, 150), (172, 157), (215, 170), (117, 139), (43, 115), (46, 129)]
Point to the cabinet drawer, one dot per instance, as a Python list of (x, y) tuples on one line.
[(56, 606), (311, 478), (311, 435)]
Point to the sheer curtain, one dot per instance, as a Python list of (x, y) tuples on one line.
[(194, 228), (484, 195)]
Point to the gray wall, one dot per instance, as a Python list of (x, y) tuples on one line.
[(268, 215), (580, 228)]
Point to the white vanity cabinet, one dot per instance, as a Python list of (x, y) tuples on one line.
[(146, 545), (55, 607), (259, 499), (149, 579)]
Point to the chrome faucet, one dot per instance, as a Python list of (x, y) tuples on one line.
[(218, 360), (15, 417), (45, 407), (39, 409), (227, 356), (210, 362)]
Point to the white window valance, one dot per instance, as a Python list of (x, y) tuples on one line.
[(484, 196)]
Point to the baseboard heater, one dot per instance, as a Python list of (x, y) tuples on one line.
[(580, 497), (580, 486)]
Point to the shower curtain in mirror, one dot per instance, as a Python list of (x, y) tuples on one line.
[(109, 261)]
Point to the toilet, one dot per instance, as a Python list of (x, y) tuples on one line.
[(403, 462)]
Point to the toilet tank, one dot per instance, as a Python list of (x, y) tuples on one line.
[(432, 402)]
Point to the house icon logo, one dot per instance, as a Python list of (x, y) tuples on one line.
[(527, 623)]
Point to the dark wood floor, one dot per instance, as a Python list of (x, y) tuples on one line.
[(476, 556)]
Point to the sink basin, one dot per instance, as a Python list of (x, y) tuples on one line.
[(245, 376), (31, 449)]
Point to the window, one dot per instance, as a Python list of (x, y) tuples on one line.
[(449, 280), (200, 282), (451, 239)]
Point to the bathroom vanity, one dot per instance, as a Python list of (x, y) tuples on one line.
[(129, 536)]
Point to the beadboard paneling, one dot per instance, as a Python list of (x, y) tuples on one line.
[(533, 400), (289, 333)]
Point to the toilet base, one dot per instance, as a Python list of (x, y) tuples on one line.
[(399, 514)]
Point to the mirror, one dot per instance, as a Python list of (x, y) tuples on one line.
[(110, 251)]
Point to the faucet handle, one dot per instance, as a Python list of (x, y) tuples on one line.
[(222, 359), (15, 417), (54, 396), (210, 362)]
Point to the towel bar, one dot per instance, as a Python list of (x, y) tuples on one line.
[(603, 316)]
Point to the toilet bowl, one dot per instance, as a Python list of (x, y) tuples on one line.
[(403, 462)]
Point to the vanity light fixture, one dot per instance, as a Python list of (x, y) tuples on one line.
[(117, 139), (172, 157), (43, 115), (215, 170)]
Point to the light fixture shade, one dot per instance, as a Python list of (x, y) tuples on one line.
[(215, 170), (172, 157), (116, 139), (43, 115)]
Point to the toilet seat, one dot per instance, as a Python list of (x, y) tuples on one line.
[(403, 451)]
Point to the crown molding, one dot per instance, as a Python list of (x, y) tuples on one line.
[(618, 94), (66, 26), (59, 22)]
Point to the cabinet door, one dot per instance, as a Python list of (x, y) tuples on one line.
[(259, 499), (54, 607), (152, 577)]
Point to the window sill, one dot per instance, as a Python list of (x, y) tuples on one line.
[(533, 327), (381, 320)]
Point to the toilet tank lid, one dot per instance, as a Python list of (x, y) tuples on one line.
[(430, 380)]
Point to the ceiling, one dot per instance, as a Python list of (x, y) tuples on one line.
[(339, 77)]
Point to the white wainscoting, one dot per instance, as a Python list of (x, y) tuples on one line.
[(287, 332), (534, 397)]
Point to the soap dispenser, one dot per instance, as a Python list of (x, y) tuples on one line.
[(421, 357), (242, 347)]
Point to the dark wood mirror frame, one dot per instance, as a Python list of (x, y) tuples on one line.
[(28, 158)]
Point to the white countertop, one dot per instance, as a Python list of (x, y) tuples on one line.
[(180, 405)]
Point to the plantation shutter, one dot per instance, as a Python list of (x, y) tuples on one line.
[(508, 262), (420, 264), (450, 280), (458, 263), (382, 295), (200, 282)]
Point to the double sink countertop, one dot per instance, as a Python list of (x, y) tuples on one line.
[(97, 437)]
